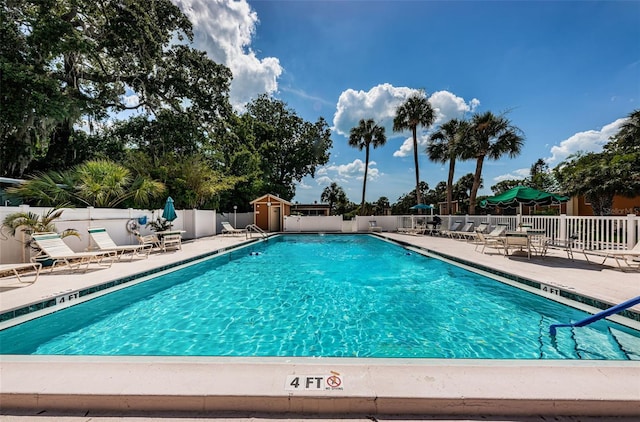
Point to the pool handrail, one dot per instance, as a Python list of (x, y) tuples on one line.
[(593, 318), (255, 228)]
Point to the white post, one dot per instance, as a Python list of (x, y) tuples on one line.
[(235, 222), (269, 216), (632, 221), (563, 227)]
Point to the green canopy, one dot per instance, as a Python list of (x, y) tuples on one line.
[(523, 195)]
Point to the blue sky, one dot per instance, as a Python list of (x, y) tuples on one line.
[(567, 73)]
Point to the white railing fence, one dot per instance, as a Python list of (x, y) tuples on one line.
[(617, 232)]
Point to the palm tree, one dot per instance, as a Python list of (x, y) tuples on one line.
[(97, 183), (333, 194), (491, 136), (366, 134), (446, 144), (415, 111)]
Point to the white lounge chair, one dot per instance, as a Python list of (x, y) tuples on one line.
[(491, 242), (627, 255), (227, 228), (53, 247), (456, 227), (17, 270), (373, 226), (105, 243)]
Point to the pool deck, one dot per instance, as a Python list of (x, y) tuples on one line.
[(32, 385)]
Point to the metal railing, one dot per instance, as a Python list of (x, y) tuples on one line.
[(600, 315), (252, 228)]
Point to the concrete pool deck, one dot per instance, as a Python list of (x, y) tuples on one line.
[(205, 385)]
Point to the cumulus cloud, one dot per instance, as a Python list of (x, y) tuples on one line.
[(518, 174), (380, 103), (346, 172), (224, 29), (588, 141)]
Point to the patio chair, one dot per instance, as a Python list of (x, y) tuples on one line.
[(627, 255), (373, 226), (105, 243), (53, 248), (17, 270), (490, 242), (171, 240), (519, 243), (150, 239), (227, 228)]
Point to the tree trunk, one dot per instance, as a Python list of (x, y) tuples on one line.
[(415, 161), (364, 182), (452, 168), (476, 185)]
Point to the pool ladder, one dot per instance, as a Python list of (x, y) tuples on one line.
[(593, 318), (254, 228)]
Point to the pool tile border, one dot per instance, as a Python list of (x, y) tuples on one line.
[(52, 301)]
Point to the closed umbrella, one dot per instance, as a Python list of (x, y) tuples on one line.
[(523, 195), (169, 212)]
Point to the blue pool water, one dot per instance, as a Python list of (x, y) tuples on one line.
[(332, 295)]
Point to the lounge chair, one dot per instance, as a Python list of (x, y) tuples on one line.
[(456, 227), (17, 270), (227, 228), (53, 248), (491, 242), (627, 255), (373, 226), (473, 236), (415, 230), (465, 230), (105, 243), (498, 231)]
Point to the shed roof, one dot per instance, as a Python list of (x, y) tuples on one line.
[(270, 198)]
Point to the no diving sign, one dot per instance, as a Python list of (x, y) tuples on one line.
[(331, 381)]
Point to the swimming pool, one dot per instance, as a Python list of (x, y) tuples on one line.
[(330, 296)]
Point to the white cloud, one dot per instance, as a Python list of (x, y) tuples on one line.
[(303, 185), (588, 141), (518, 174), (449, 106), (380, 103), (349, 171), (324, 181), (224, 29)]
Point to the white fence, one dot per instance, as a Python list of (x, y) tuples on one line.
[(587, 232), (609, 232), (118, 222)]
